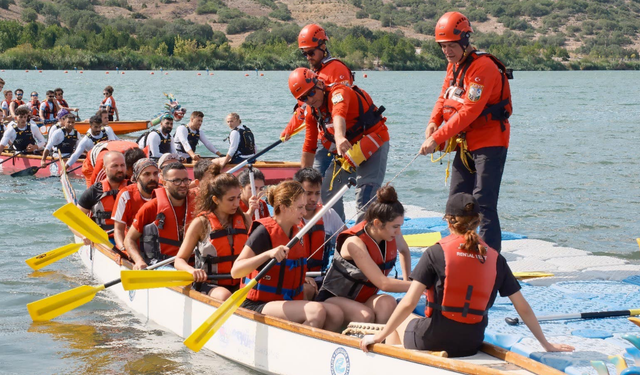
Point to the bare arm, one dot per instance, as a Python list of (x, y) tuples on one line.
[(118, 234), (405, 257), (354, 248), (194, 235), (248, 261), (306, 160), (131, 244), (340, 129)]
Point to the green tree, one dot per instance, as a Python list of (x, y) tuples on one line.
[(29, 15)]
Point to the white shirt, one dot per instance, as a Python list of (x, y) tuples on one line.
[(182, 134), (86, 145), (153, 141), (55, 138), (10, 134), (5, 105), (234, 142)]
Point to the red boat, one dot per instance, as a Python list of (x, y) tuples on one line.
[(119, 127)]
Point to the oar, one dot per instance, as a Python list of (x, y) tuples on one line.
[(531, 275), (585, 315), (45, 259), (200, 336), (32, 170), (143, 279), (635, 321), (11, 157), (56, 305)]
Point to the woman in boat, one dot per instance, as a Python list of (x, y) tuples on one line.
[(109, 103), (280, 292), (462, 276), (217, 235), (249, 203), (365, 255)]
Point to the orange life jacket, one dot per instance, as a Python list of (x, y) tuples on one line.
[(102, 210), (93, 163), (315, 238), (263, 210), (49, 111), (112, 109), (285, 280), (18, 102), (35, 108), (468, 283), (63, 103)]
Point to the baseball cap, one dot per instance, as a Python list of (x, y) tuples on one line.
[(63, 113), (458, 205), (167, 157)]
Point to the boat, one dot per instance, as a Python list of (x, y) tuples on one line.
[(275, 346), (119, 127)]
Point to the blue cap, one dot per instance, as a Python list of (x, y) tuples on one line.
[(63, 113)]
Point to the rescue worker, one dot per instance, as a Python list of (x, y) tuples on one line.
[(242, 144), (188, 136), (63, 138), (462, 276), (280, 292), (249, 203), (475, 105), (59, 94), (17, 102), (312, 42), (49, 108), (216, 236), (109, 103), (130, 199), (161, 223), (365, 255), (353, 128), (22, 135), (159, 142), (95, 135)]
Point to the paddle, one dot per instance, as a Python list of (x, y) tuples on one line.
[(143, 279), (32, 170), (252, 180), (200, 336), (45, 259), (56, 305), (13, 156), (635, 321), (585, 315), (531, 274), (422, 239)]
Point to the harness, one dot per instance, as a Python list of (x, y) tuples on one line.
[(68, 144), (102, 210), (95, 140), (247, 142), (24, 138), (192, 138), (35, 107), (63, 103), (165, 143), (49, 112)]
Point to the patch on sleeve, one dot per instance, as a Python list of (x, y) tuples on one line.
[(336, 98), (475, 92)]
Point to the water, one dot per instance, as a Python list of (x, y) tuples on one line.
[(571, 178)]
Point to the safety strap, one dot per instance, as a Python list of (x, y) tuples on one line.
[(215, 260), (465, 310), (169, 241), (288, 294), (226, 232)]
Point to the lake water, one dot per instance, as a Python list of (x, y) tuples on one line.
[(572, 177)]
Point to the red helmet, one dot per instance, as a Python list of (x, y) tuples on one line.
[(452, 27), (301, 81), (311, 35)]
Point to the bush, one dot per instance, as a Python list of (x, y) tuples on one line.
[(227, 14), (29, 15), (282, 13), (209, 6), (4, 4), (361, 14), (241, 25)]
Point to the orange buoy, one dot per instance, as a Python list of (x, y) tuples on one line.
[(246, 75), (199, 74), (122, 72), (66, 71), (166, 74), (364, 76), (26, 71), (261, 74), (106, 72), (2, 70), (152, 73), (210, 74), (39, 71), (81, 72)]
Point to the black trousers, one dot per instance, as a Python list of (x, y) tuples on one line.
[(485, 187)]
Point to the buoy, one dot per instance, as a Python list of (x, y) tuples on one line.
[(66, 71), (261, 74), (209, 73), (26, 71), (166, 74), (246, 75), (152, 73), (199, 74), (122, 72), (39, 71), (2, 70), (81, 72), (106, 72), (364, 76)]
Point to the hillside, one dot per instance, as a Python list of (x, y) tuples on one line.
[(374, 34)]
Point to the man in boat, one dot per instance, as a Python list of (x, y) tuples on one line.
[(475, 105), (95, 134), (354, 129), (131, 156), (34, 106), (199, 171), (159, 226), (49, 108), (159, 142), (188, 136), (104, 115), (133, 197), (8, 97), (63, 138), (312, 42), (242, 144), (61, 102), (249, 203), (17, 102), (22, 135), (99, 199)]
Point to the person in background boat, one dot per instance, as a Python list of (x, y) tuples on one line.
[(456, 318), (312, 42), (159, 227), (199, 171), (99, 199), (353, 128), (8, 98), (365, 255), (34, 106), (280, 292), (2, 83), (17, 102), (59, 93), (104, 115), (475, 107), (188, 136), (63, 139), (49, 109), (130, 199), (109, 103), (22, 135), (249, 203), (131, 156), (95, 134), (242, 144), (216, 236), (159, 142)]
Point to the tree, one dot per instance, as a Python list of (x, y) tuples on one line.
[(29, 15)]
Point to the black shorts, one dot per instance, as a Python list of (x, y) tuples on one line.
[(256, 306), (205, 288), (419, 336), (324, 295)]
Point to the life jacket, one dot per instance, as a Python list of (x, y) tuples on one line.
[(68, 144), (468, 284), (344, 279), (112, 109), (263, 210), (217, 254), (162, 238), (315, 237), (49, 112), (34, 107), (193, 137), (247, 144), (24, 138), (165, 143), (101, 212), (96, 140), (2, 128), (62, 103), (285, 280), (18, 102), (93, 163)]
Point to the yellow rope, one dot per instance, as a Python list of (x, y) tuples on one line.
[(450, 146)]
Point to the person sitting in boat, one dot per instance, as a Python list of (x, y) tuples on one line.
[(131, 156), (8, 98), (188, 136), (34, 106), (95, 134), (23, 135), (365, 255), (158, 228), (104, 115), (199, 171), (159, 142), (280, 292), (49, 108), (130, 199), (242, 144), (17, 102), (249, 203), (216, 236), (59, 94), (63, 138), (109, 103), (456, 318)]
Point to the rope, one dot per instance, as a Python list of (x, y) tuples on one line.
[(451, 146)]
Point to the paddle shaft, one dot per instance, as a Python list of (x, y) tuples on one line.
[(11, 157), (252, 179), (255, 157), (585, 315)]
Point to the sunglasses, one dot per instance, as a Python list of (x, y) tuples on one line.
[(36, 95), (105, 93), (178, 181), (309, 53), (19, 94), (310, 94), (50, 97)]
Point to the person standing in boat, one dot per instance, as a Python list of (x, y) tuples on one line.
[(49, 108), (59, 93), (109, 103), (159, 227), (475, 105), (280, 292), (188, 136), (104, 115), (130, 199), (365, 255), (242, 144), (312, 42), (159, 142), (95, 134), (354, 130), (34, 106), (249, 203), (63, 138), (448, 271), (17, 102), (216, 236), (22, 135)]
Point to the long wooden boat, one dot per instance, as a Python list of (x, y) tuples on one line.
[(275, 346), (119, 127)]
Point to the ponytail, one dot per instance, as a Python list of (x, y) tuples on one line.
[(466, 226)]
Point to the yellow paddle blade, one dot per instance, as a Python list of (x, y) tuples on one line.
[(638, 241), (619, 362), (200, 336), (45, 259), (147, 279), (56, 305), (296, 131), (81, 223), (422, 239), (531, 275), (635, 321)]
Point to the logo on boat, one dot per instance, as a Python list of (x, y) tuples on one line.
[(132, 295), (53, 169), (340, 362)]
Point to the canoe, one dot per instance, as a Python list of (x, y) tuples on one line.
[(119, 127), (275, 346)]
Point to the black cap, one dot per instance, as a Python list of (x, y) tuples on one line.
[(457, 205)]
